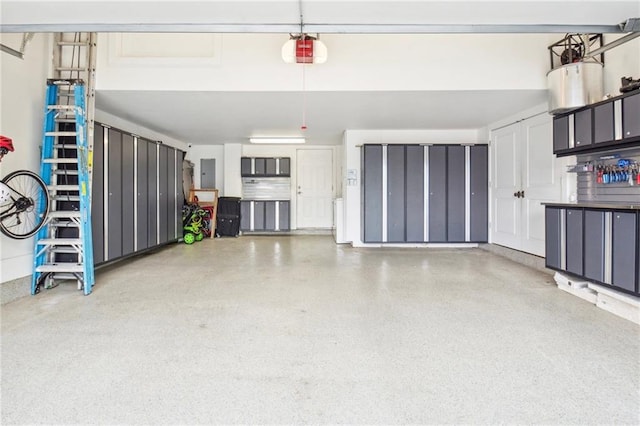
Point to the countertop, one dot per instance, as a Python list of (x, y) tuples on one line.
[(606, 206)]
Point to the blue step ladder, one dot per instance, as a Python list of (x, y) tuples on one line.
[(64, 246)]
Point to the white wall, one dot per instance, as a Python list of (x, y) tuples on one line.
[(621, 61), (22, 90), (354, 139), (252, 62)]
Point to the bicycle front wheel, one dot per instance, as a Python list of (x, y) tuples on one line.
[(23, 213)]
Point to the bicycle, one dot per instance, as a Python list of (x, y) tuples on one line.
[(24, 200)]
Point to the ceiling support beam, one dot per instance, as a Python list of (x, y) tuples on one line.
[(313, 28)]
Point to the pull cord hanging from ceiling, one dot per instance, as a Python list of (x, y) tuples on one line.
[(304, 83)]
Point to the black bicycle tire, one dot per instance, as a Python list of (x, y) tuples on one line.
[(39, 226)]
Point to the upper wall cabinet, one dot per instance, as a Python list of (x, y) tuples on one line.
[(265, 166), (601, 126)]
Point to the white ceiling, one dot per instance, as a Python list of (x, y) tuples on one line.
[(219, 117)]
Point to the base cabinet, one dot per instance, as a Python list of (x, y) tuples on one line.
[(264, 216), (598, 245)]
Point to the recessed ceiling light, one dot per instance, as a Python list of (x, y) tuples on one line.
[(277, 140)]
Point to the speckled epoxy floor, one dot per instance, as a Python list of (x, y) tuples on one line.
[(297, 330)]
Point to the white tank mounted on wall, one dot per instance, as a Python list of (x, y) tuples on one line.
[(575, 80)]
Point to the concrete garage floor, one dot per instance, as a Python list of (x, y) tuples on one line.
[(294, 330)]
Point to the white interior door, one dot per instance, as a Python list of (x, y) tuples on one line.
[(314, 169), (506, 215), (540, 180)]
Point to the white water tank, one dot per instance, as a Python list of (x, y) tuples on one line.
[(574, 85)]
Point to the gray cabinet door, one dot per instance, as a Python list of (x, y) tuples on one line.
[(97, 200), (372, 193), (415, 194), (163, 193), (245, 215), (574, 241), (245, 166), (631, 116), (560, 133), (142, 196), (552, 240), (455, 194), (260, 166), (285, 166), (603, 123), (171, 194), (270, 166), (624, 246), (437, 193), (479, 193), (128, 196), (258, 216), (395, 193), (114, 209), (152, 188), (582, 126), (594, 245), (179, 193), (284, 216), (270, 215)]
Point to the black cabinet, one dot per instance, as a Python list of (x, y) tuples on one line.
[(418, 194), (574, 241), (560, 133), (136, 194), (604, 122), (599, 127), (583, 127), (631, 116), (264, 216), (265, 166)]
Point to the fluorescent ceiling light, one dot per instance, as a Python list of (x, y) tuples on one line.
[(276, 140)]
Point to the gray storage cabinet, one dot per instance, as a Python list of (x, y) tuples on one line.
[(267, 215), (372, 193), (594, 236), (396, 188), (136, 194), (603, 119), (624, 246), (631, 116), (400, 181), (560, 133), (574, 241), (553, 238), (479, 193), (583, 127), (437, 194)]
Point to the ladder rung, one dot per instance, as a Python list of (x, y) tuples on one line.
[(65, 146), (60, 160), (72, 43), (61, 134), (60, 242), (60, 267), (64, 187), (66, 197), (51, 107), (65, 120), (64, 214), (71, 69), (69, 224), (65, 172), (63, 250)]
